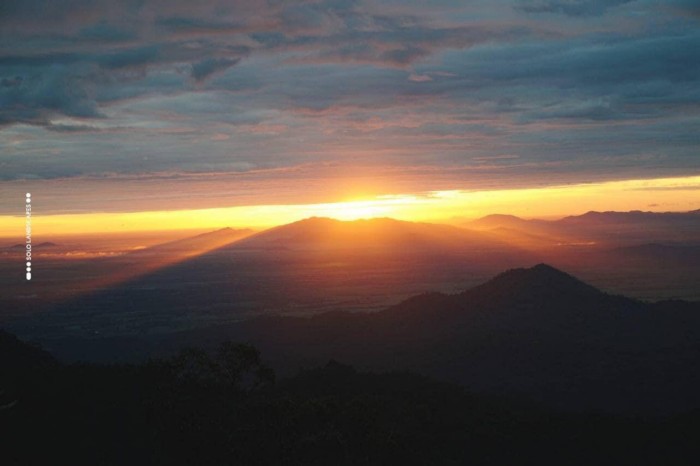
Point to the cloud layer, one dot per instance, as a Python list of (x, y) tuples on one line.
[(565, 90)]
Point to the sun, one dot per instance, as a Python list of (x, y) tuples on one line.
[(353, 210)]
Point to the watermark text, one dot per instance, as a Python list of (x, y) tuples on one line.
[(28, 235)]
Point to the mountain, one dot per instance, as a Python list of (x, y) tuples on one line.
[(311, 266), (17, 355), (631, 217), (648, 255), (502, 221), (384, 234), (44, 245), (603, 228), (533, 233), (19, 363), (538, 333)]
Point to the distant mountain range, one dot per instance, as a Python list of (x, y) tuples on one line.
[(538, 333), (45, 244), (602, 228), (320, 264)]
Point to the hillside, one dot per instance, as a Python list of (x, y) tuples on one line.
[(537, 332)]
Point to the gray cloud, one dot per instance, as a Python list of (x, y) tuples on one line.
[(98, 88), (570, 7), (34, 98), (206, 68)]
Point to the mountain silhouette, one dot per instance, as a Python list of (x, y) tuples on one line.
[(634, 216), (608, 228), (19, 362), (536, 332), (43, 245), (318, 233), (17, 355), (542, 282)]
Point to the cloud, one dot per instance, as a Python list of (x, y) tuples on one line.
[(134, 57), (108, 45), (105, 32), (37, 97), (570, 7), (419, 78), (571, 88), (206, 68)]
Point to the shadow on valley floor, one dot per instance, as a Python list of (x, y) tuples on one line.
[(319, 265), (308, 267)]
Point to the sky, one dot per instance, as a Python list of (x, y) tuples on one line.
[(123, 112)]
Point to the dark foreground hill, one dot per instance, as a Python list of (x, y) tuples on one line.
[(225, 407), (536, 333)]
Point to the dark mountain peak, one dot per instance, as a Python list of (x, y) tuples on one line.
[(543, 268), (496, 220), (541, 286), (541, 275), (313, 221), (539, 282)]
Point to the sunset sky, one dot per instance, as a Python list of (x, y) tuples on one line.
[(147, 114)]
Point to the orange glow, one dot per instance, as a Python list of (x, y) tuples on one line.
[(663, 194), (164, 255), (120, 268)]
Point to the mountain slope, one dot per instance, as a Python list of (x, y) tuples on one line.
[(537, 332), (310, 267), (608, 228), (195, 245), (378, 233)]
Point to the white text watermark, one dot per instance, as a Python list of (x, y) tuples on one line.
[(28, 235)]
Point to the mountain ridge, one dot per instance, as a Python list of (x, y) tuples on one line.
[(537, 332), (384, 232)]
